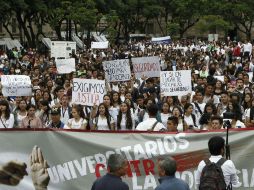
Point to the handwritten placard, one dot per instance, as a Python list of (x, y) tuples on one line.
[(88, 91), (65, 65), (146, 66), (16, 85), (117, 70), (175, 83)]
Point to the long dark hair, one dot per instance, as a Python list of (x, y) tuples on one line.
[(107, 114), (79, 109), (7, 111), (128, 118)]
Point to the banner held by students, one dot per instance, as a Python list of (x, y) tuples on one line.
[(79, 157), (175, 83), (117, 70), (99, 45), (146, 66), (16, 85), (88, 91), (65, 65)]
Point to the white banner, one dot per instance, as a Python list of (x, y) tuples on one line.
[(175, 83), (146, 66), (65, 65), (162, 40), (16, 85), (88, 91), (117, 70), (99, 45)]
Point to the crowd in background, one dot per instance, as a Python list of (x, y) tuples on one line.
[(222, 87)]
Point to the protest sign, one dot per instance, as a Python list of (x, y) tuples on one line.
[(220, 78), (62, 49), (99, 45), (78, 158), (16, 85), (146, 66), (65, 65), (88, 91), (175, 83), (117, 70), (162, 40)]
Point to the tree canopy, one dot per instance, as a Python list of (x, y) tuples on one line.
[(173, 17)]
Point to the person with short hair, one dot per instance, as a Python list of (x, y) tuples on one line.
[(151, 123), (216, 123), (167, 169), (117, 166), (172, 124), (55, 114), (216, 147)]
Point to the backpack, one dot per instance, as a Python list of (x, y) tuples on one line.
[(212, 176)]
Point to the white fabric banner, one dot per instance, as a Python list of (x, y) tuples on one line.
[(117, 70), (65, 65), (146, 66), (99, 45), (88, 91), (175, 83), (16, 85), (162, 40)]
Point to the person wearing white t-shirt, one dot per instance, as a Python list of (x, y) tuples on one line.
[(216, 146), (151, 124), (6, 117), (78, 121), (103, 120), (125, 120)]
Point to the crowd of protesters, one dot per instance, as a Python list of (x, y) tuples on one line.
[(138, 103)]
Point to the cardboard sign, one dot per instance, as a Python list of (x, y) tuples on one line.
[(65, 65), (16, 85), (62, 49), (175, 83), (99, 45), (146, 66), (88, 91), (117, 70)]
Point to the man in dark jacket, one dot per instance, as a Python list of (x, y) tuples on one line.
[(117, 166), (167, 169)]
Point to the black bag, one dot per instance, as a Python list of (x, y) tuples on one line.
[(212, 176)]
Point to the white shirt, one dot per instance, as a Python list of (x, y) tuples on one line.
[(7, 123), (65, 115), (102, 123), (164, 118), (247, 47), (148, 124), (228, 169), (123, 122), (76, 124)]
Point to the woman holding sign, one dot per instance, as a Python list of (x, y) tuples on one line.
[(6, 117), (103, 120)]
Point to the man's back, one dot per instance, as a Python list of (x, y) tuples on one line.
[(109, 182), (171, 182), (228, 169)]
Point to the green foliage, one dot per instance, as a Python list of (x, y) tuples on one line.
[(212, 23)]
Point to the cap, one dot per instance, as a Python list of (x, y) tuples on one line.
[(55, 111)]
